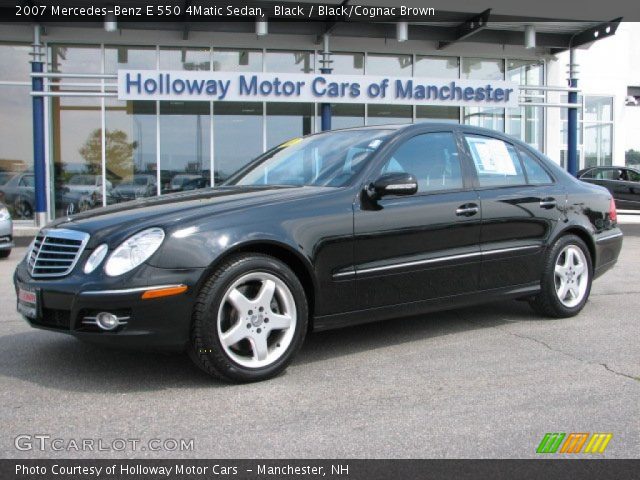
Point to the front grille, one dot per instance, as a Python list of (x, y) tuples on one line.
[(55, 252)]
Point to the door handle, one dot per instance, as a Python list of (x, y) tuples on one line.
[(467, 210), (548, 203)]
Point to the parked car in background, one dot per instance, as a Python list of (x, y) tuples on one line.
[(6, 176), (6, 232), (622, 182), (385, 222), (196, 183), (140, 186), (183, 181), (19, 195)]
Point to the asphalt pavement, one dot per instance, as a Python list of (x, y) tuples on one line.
[(487, 381)]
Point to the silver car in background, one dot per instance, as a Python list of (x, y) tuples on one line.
[(6, 232)]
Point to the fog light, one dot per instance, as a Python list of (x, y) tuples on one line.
[(107, 321)]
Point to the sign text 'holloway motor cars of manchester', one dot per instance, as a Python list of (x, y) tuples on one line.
[(233, 86)]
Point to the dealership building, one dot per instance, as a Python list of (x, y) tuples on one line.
[(96, 140)]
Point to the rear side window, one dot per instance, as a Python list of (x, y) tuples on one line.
[(535, 173), (633, 176), (496, 162)]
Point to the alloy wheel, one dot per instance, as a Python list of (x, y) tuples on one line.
[(571, 276), (256, 319)]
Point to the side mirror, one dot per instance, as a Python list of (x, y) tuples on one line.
[(398, 183)]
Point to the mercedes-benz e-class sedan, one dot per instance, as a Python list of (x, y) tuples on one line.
[(324, 231)]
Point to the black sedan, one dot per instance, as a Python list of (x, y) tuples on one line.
[(324, 231), (622, 182)]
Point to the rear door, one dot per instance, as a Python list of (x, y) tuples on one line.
[(423, 246), (518, 213)]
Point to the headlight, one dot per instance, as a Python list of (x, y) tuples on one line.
[(134, 251), (4, 214), (96, 258)]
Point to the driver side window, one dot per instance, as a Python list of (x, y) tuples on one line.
[(432, 158)]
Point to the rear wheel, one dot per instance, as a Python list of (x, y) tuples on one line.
[(249, 320), (5, 253), (566, 279)]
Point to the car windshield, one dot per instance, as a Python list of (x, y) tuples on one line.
[(327, 159)]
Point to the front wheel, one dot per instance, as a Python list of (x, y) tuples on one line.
[(249, 320), (566, 279)]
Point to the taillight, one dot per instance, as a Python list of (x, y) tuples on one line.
[(613, 214)]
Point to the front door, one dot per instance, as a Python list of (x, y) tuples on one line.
[(423, 246)]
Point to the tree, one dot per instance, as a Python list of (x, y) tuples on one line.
[(118, 150), (632, 158)]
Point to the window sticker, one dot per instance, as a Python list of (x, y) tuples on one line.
[(492, 157)]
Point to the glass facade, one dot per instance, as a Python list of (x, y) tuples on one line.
[(102, 150), (595, 131)]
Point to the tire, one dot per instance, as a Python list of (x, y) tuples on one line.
[(571, 258), (5, 253), (233, 337), (22, 208)]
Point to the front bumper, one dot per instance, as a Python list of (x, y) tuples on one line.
[(157, 324)]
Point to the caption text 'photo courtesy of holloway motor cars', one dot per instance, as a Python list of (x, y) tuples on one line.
[(324, 231)]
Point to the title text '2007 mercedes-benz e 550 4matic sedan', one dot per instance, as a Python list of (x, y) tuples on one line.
[(324, 231)]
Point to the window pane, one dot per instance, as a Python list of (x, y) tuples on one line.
[(130, 150), (15, 62), (483, 68), (184, 144), (397, 65), (597, 144), (535, 173), (525, 72), (492, 118), (16, 149), (496, 162), (425, 113), (526, 123), (347, 63), (288, 120), (344, 115), (185, 59), (290, 62), (117, 57), (237, 60), (237, 130), (388, 114), (437, 67), (77, 150), (598, 109), (432, 158), (75, 59)]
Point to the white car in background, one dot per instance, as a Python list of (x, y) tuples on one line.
[(6, 232)]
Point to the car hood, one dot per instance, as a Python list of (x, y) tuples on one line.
[(177, 209)]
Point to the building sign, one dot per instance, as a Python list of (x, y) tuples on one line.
[(286, 87)]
